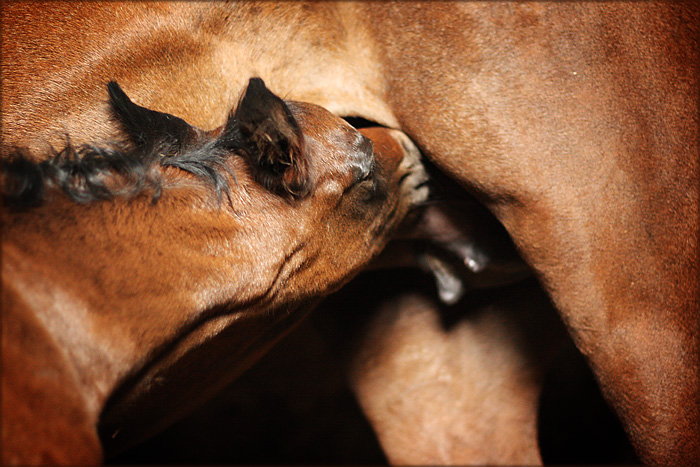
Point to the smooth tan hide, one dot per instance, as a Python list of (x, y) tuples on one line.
[(576, 124)]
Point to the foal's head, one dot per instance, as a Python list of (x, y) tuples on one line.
[(292, 170)]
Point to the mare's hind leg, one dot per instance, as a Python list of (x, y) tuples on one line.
[(465, 392)]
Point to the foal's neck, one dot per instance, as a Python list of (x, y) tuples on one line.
[(114, 282)]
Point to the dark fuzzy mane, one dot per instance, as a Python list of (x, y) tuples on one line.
[(85, 174), (89, 173)]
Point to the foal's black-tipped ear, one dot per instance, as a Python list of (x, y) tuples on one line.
[(272, 140), (148, 128)]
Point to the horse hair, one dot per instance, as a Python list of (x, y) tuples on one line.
[(89, 173)]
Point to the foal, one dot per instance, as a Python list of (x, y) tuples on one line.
[(138, 280)]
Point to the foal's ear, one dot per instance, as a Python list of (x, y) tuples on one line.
[(272, 140), (148, 128)]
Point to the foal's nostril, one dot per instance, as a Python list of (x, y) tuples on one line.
[(362, 161), (365, 144), (358, 175)]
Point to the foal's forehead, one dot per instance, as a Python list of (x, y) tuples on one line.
[(314, 119), (329, 130)]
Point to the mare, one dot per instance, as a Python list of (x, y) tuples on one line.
[(575, 124), (141, 277)]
